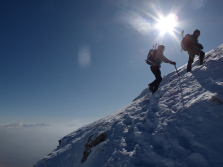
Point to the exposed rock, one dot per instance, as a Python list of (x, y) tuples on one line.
[(90, 144), (216, 99)]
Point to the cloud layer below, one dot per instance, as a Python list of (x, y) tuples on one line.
[(22, 145)]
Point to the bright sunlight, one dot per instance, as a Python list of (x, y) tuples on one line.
[(167, 24)]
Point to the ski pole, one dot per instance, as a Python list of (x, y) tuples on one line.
[(182, 34), (176, 71)]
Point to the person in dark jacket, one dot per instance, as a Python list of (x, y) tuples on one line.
[(155, 68), (193, 49)]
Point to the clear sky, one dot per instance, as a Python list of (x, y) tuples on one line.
[(65, 60)]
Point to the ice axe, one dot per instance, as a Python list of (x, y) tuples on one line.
[(182, 34)]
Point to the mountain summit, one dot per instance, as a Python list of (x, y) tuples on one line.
[(179, 126)]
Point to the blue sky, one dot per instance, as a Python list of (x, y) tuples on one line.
[(84, 59)]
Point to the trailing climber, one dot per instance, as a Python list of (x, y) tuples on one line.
[(155, 68)]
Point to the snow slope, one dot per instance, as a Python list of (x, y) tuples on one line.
[(179, 126)]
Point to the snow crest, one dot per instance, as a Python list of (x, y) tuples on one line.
[(179, 126)]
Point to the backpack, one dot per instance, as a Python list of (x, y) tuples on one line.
[(186, 42), (151, 56)]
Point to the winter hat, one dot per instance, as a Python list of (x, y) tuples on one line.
[(196, 31), (161, 47)]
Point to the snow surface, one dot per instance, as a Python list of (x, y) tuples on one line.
[(179, 126)]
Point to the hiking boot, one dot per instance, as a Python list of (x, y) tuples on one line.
[(201, 61), (201, 58), (188, 67), (151, 88)]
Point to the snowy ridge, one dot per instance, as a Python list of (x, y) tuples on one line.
[(179, 126), (19, 125)]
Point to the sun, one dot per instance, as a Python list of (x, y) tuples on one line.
[(167, 24)]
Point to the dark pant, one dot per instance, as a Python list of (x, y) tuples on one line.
[(192, 51), (155, 84)]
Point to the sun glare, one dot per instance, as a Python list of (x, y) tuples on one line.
[(167, 24)]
